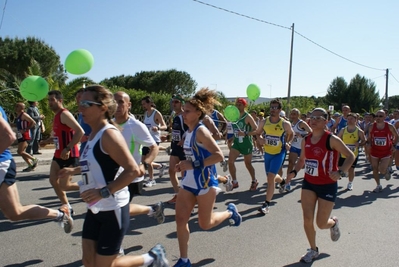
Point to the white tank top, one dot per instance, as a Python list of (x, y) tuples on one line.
[(299, 134), (99, 169), (149, 121)]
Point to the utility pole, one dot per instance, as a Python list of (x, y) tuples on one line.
[(290, 71), (386, 88)]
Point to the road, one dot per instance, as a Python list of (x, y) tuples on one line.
[(369, 227)]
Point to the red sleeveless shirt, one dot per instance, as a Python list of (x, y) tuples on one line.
[(381, 141), (320, 161), (62, 137)]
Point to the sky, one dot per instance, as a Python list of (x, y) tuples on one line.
[(219, 49)]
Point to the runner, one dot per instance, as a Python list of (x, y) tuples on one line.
[(301, 129), (219, 120), (178, 133), (341, 121), (199, 185), (382, 136), (86, 128), (319, 154), (65, 136), (155, 123), (24, 125), (277, 139), (351, 135), (9, 196)]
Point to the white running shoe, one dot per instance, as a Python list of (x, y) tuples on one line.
[(162, 170), (229, 184), (334, 231), (378, 189), (310, 255), (150, 183), (350, 186)]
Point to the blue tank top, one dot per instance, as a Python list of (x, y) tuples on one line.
[(215, 118), (342, 124), (6, 154)]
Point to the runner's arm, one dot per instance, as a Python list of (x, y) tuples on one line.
[(7, 135), (69, 120)]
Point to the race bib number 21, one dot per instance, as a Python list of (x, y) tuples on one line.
[(312, 167)]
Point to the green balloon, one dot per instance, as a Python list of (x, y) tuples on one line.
[(34, 88), (79, 62), (232, 113), (253, 92)]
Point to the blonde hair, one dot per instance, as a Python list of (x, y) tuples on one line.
[(204, 100)]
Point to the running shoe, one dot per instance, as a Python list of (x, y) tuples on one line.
[(173, 200), (66, 220), (224, 164), (235, 184), (168, 150), (388, 175), (335, 233), (181, 263), (28, 169), (288, 187), (158, 213), (378, 189), (350, 186), (162, 170), (159, 255), (264, 209), (34, 163), (150, 183), (310, 255), (254, 185), (228, 185), (235, 219)]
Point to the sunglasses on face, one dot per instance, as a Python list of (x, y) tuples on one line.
[(87, 103), (317, 118), (274, 107), (379, 116)]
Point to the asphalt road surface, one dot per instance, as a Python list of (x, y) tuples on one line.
[(369, 227)]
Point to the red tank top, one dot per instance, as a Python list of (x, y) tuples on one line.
[(23, 125), (62, 137), (381, 141), (319, 161)]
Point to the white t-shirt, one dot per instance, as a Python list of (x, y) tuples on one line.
[(136, 136)]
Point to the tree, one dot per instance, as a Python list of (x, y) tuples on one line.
[(360, 94), (170, 81)]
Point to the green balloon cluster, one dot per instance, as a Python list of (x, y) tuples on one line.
[(231, 113), (34, 88), (79, 62), (253, 92)]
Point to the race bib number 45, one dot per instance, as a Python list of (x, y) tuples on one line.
[(312, 167)]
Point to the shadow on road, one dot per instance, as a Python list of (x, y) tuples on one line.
[(298, 264), (26, 263)]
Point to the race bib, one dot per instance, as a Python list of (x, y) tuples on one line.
[(56, 143), (19, 135), (87, 178), (189, 154), (272, 140), (295, 139), (380, 141), (176, 136), (312, 167), (351, 147), (148, 126)]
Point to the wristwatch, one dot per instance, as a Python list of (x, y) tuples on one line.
[(342, 173), (104, 192), (196, 164)]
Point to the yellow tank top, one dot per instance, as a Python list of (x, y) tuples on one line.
[(274, 136), (350, 139)]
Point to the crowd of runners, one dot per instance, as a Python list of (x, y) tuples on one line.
[(117, 150)]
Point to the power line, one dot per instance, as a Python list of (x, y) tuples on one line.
[(394, 77), (2, 16), (289, 28), (242, 15)]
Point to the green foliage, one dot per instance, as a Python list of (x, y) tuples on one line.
[(171, 81), (360, 94)]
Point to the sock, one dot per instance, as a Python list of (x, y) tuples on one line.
[(184, 259), (151, 212), (235, 182), (60, 215), (147, 259)]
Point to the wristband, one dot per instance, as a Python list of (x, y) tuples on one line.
[(294, 172)]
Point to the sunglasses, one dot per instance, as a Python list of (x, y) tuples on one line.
[(274, 107), (379, 116), (87, 103), (318, 118)]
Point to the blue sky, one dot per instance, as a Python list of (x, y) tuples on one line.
[(218, 49)]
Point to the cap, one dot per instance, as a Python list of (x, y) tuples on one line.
[(336, 114), (242, 101), (178, 97), (282, 113), (261, 114)]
